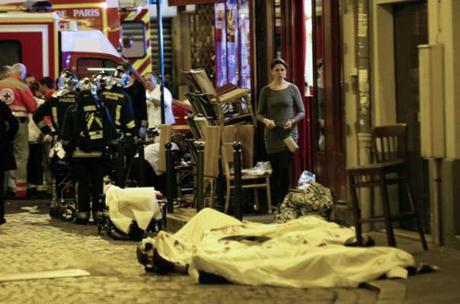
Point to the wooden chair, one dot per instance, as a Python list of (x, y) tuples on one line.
[(211, 163), (202, 104), (200, 108), (389, 167), (231, 102), (245, 135), (193, 127), (254, 182)]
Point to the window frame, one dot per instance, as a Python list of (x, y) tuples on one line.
[(144, 42)]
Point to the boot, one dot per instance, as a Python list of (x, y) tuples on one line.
[(55, 210), (82, 217)]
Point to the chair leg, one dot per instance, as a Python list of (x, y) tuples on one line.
[(211, 192), (386, 211), (227, 197), (356, 211), (269, 195), (417, 214), (256, 198), (205, 193)]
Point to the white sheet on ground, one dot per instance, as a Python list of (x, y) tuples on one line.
[(305, 252), (126, 205)]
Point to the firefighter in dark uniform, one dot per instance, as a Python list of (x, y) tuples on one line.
[(56, 108), (120, 109), (57, 105), (119, 105), (86, 133)]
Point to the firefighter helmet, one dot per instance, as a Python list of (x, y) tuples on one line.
[(100, 80), (86, 84), (67, 80), (122, 75)]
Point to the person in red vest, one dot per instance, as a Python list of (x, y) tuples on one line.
[(19, 98)]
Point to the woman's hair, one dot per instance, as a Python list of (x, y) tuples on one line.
[(278, 61)]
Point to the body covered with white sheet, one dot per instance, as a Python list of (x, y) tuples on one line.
[(305, 252)]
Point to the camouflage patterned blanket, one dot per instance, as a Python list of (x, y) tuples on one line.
[(312, 200)]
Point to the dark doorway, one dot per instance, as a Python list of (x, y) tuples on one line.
[(411, 30), (329, 145)]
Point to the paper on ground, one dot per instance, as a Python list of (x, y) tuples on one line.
[(43, 275)]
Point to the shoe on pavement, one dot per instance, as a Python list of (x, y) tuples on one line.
[(82, 218)]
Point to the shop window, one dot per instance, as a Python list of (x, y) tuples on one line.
[(90, 66), (309, 71), (11, 52), (278, 28), (133, 39), (232, 36)]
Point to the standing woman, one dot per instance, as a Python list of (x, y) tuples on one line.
[(8, 128), (280, 109)]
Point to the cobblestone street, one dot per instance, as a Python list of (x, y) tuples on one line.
[(31, 242)]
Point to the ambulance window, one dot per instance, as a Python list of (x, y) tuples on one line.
[(133, 39), (89, 66), (11, 52)]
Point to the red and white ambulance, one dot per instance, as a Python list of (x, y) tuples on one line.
[(87, 37), (35, 40), (126, 29)]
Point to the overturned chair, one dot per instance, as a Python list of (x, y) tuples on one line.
[(231, 105)]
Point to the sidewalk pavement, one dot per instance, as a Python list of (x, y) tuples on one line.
[(438, 287), (32, 242), (441, 286)]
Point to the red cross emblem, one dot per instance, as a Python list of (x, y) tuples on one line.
[(7, 95)]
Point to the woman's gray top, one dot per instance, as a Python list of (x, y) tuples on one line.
[(280, 106)]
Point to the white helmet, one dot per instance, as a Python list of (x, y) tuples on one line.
[(87, 85), (67, 80)]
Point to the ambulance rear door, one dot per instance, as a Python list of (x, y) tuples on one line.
[(30, 38)]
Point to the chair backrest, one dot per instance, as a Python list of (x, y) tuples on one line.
[(201, 104), (196, 109), (193, 127), (389, 142), (201, 123), (227, 158), (211, 151), (245, 135), (203, 82), (188, 74)]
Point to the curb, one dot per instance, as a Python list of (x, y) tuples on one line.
[(390, 291)]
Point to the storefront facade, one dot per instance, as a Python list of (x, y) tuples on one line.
[(357, 66), (389, 78)]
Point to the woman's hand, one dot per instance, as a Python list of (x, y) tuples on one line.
[(269, 124), (289, 124)]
